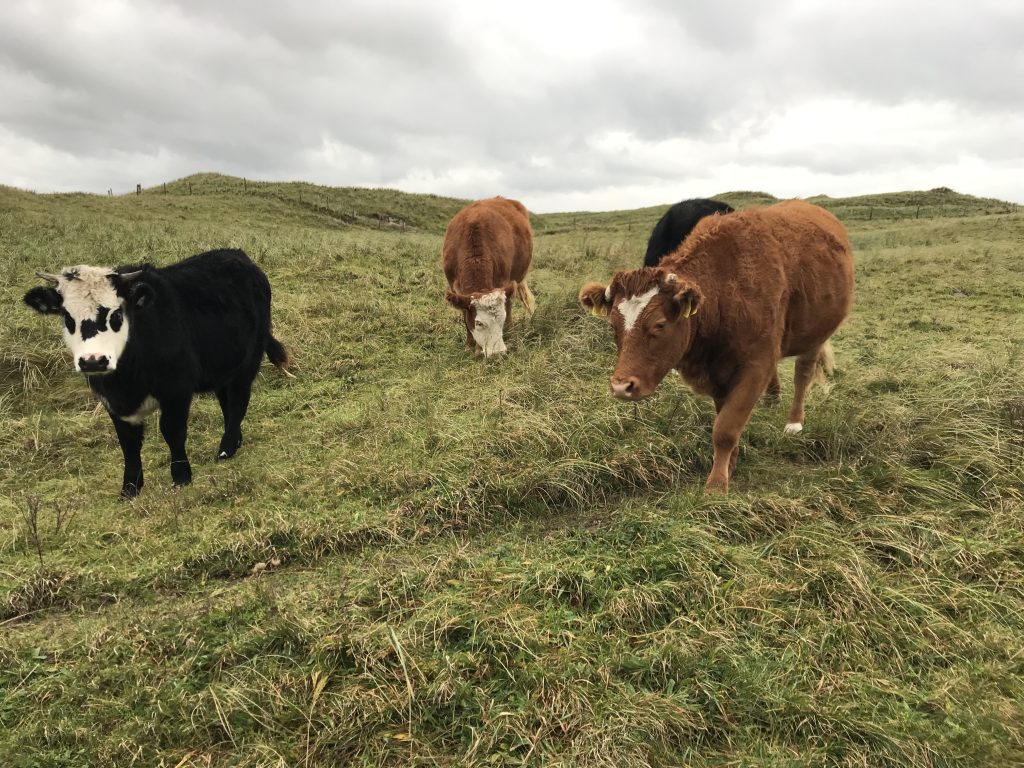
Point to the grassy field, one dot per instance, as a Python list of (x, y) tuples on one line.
[(421, 558)]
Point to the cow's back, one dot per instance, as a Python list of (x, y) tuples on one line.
[(676, 225), (220, 319), (780, 272), (486, 244)]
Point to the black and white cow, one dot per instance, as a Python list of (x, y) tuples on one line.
[(149, 338), (676, 225)]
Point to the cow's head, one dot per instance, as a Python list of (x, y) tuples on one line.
[(650, 312), (484, 313), (95, 303)]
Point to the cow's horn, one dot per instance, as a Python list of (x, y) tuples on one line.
[(52, 279), (127, 276)]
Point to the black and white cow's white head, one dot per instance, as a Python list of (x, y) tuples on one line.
[(93, 303)]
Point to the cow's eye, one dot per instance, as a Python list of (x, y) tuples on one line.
[(479, 323), (658, 327), (116, 319)]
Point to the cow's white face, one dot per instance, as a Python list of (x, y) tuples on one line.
[(489, 322), (95, 325)]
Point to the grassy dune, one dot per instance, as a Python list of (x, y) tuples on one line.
[(421, 558)]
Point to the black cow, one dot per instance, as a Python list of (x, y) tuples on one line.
[(676, 225), (150, 338)]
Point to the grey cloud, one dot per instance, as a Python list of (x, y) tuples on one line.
[(257, 89)]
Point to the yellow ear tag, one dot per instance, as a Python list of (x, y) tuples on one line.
[(597, 311)]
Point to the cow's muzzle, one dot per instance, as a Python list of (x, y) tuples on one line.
[(627, 389), (94, 364), (497, 350)]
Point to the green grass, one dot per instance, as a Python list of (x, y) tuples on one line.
[(421, 558)]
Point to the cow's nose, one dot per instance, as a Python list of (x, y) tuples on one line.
[(625, 389), (92, 363), (496, 351)]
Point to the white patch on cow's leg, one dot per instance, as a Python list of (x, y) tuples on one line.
[(148, 406), (490, 322), (793, 428), (633, 307)]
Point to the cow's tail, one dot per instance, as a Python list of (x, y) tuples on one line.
[(825, 366), (278, 355), (526, 296)]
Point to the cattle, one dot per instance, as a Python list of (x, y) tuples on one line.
[(149, 338), (486, 254), (676, 225), (743, 291)]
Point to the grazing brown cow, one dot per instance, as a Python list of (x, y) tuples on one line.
[(743, 291), (486, 255)]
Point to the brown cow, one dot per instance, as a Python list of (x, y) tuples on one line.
[(743, 291), (486, 255)]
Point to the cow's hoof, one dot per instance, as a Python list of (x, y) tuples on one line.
[(228, 447), (181, 477), (794, 428), (716, 487), (129, 492)]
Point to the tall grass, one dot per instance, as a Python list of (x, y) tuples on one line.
[(421, 558)]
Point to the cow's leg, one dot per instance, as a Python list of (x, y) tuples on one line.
[(734, 410), (508, 313), (234, 403), (774, 390), (174, 428), (804, 372), (734, 457), (130, 437)]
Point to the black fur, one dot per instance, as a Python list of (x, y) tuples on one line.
[(676, 225), (45, 300), (201, 325), (92, 327)]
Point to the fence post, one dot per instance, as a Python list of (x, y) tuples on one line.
[(138, 189), (190, 187), (871, 213), (918, 214)]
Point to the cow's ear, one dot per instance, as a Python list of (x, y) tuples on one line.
[(458, 300), (510, 288), (140, 295), (596, 298), (685, 295), (45, 300)]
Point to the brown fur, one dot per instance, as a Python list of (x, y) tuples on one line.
[(766, 283), (488, 245)]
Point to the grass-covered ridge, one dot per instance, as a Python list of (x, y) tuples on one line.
[(418, 558)]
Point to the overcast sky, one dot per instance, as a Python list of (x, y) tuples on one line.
[(564, 105)]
